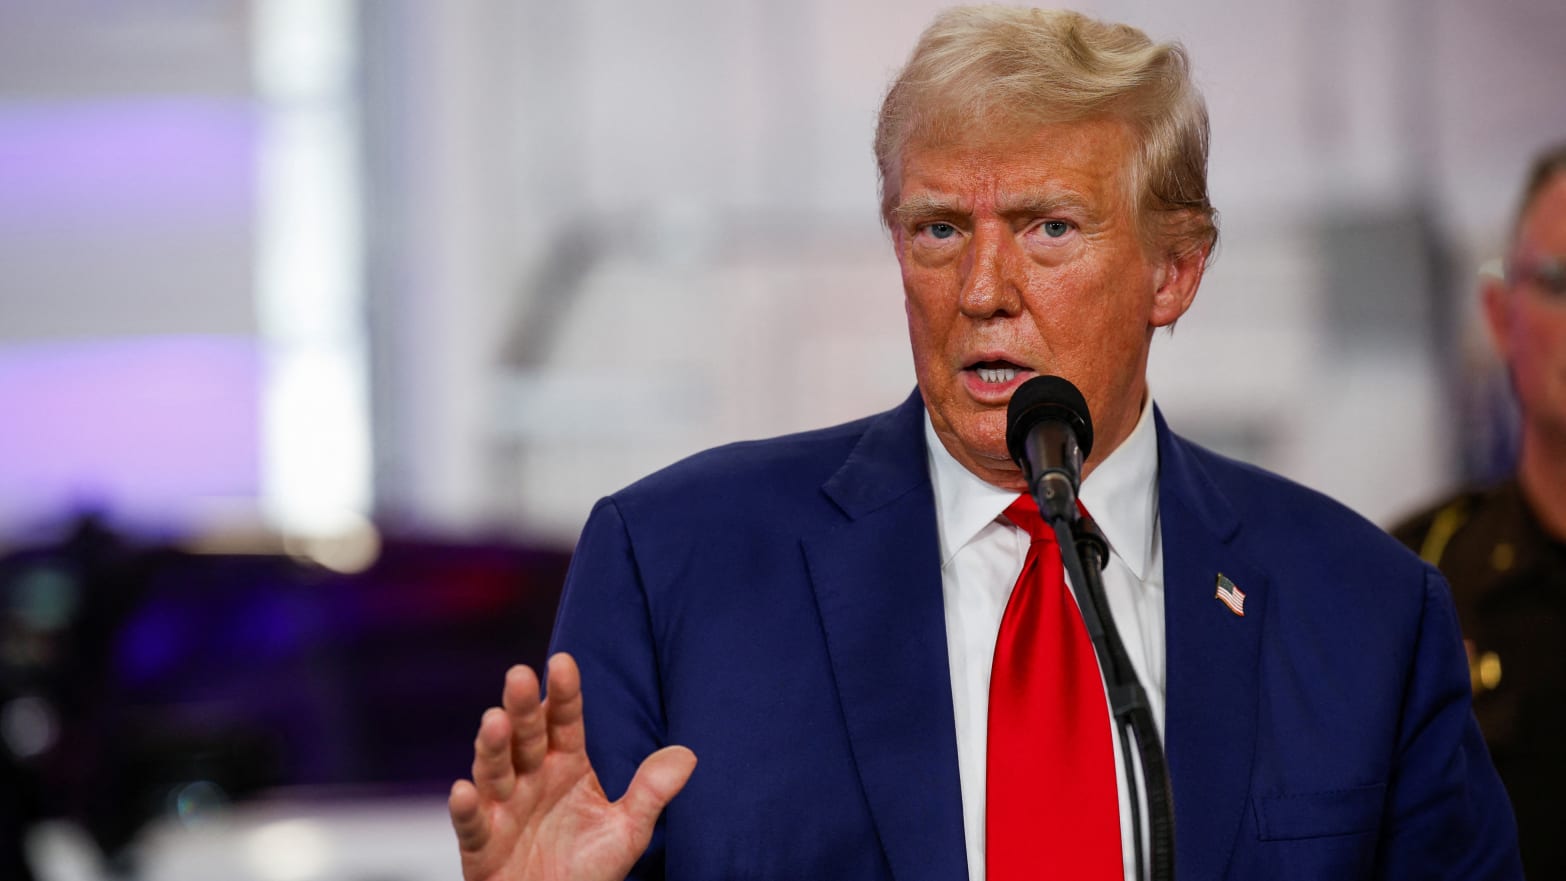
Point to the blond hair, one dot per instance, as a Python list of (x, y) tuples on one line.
[(1004, 70)]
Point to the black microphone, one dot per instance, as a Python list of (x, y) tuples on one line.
[(1049, 434)]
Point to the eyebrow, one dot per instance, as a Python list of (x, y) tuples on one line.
[(1038, 204), (930, 206), (927, 206)]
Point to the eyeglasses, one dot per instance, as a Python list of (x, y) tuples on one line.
[(1548, 273)]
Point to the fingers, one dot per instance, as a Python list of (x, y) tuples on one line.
[(493, 772), (514, 739), (529, 736), (563, 706), (471, 825), (660, 778)]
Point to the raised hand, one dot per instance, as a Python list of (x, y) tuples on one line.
[(534, 810)]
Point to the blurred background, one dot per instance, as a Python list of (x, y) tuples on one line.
[(323, 323)]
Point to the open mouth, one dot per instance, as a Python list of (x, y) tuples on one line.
[(996, 372)]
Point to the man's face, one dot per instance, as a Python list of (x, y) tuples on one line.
[(1529, 321), (1020, 257)]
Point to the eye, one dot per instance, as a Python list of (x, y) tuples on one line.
[(941, 230), (1551, 275), (1055, 228)]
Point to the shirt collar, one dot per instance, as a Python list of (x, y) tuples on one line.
[(1121, 494)]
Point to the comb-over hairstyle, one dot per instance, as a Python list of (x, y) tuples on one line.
[(999, 71)]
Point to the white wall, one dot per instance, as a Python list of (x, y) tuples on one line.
[(668, 210), (129, 366), (694, 237)]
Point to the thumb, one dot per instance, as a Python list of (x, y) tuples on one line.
[(660, 778)]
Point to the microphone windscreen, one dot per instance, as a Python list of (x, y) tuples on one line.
[(1044, 398)]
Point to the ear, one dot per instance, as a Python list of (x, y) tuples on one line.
[(1496, 302), (1177, 278)]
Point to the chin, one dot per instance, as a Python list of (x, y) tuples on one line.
[(987, 446)]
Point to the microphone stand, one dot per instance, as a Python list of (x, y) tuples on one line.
[(1079, 540)]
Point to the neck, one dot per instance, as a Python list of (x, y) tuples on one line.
[(1541, 472)]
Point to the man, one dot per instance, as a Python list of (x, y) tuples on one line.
[(815, 616), (1504, 547)]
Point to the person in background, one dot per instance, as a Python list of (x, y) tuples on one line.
[(1503, 547)]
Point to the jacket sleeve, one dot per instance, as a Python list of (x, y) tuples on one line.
[(605, 623), (1447, 813)]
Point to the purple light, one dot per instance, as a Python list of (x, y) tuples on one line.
[(95, 163), (149, 426)]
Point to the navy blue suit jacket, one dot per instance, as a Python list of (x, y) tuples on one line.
[(776, 606)]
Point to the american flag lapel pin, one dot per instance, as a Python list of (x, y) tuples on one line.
[(1230, 595)]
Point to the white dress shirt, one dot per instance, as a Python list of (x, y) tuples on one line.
[(981, 556)]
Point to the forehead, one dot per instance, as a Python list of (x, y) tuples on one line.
[(1544, 226), (1090, 159)]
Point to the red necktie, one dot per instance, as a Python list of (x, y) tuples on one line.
[(1052, 810)]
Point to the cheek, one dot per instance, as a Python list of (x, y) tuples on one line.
[(1542, 337), (922, 281), (924, 324), (1090, 307), (1555, 333), (928, 299), (1096, 323)]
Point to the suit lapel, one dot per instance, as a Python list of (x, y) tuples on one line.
[(876, 578), (1213, 654), (877, 584)]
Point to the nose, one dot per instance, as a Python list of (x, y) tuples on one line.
[(991, 284)]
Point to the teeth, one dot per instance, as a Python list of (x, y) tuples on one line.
[(997, 374)]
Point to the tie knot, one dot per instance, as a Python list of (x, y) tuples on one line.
[(1025, 514)]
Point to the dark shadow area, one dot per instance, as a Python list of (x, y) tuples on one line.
[(140, 681)]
